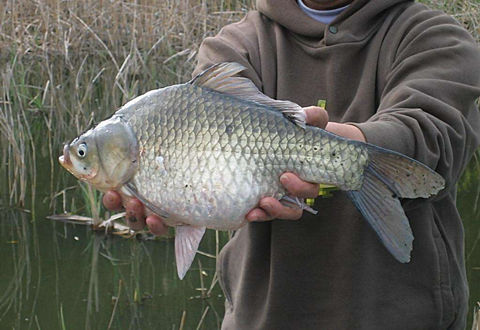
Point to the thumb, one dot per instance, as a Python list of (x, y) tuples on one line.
[(316, 116)]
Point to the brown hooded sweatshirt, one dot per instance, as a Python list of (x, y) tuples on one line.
[(408, 77)]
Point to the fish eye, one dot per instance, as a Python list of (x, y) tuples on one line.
[(82, 150)]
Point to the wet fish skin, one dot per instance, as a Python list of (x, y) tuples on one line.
[(207, 158), (202, 154)]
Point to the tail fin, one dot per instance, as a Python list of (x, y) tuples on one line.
[(388, 177)]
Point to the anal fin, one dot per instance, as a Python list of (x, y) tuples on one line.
[(132, 190), (187, 239)]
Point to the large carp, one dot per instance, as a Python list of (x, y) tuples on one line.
[(202, 154)]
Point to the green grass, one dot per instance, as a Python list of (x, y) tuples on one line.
[(65, 65), (68, 64)]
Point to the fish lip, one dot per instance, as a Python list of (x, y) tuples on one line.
[(66, 162), (65, 158)]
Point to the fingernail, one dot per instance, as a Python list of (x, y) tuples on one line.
[(132, 219), (266, 206), (284, 179)]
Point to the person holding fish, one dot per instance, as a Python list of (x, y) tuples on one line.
[(394, 74)]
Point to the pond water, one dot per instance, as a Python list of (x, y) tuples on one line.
[(56, 275)]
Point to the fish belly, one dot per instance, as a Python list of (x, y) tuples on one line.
[(215, 189), (208, 158)]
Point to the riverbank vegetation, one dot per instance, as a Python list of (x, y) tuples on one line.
[(65, 65)]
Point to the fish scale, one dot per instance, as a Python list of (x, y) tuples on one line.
[(202, 155), (249, 155)]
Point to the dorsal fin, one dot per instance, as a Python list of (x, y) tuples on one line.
[(221, 78)]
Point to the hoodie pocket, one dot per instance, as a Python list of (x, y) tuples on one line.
[(446, 303)]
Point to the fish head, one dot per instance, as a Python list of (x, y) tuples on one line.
[(105, 156), (80, 157)]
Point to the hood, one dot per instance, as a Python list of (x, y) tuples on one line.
[(356, 22)]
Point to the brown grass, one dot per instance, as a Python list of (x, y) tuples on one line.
[(67, 64)]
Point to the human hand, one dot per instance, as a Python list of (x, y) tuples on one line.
[(136, 215), (269, 207)]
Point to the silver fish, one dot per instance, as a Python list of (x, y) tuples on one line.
[(202, 154)]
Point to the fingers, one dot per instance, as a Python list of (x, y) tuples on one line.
[(133, 207), (271, 208), (316, 116), (112, 200), (279, 211), (258, 214), (297, 187), (136, 218), (135, 214), (156, 225)]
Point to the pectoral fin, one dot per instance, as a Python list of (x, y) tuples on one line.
[(298, 202), (187, 239), (132, 190)]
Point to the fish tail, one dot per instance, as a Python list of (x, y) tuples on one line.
[(388, 177)]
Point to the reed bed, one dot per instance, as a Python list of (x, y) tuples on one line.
[(68, 64), (65, 65)]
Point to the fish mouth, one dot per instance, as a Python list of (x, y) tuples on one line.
[(66, 162), (65, 158)]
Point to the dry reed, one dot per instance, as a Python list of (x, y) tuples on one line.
[(67, 64)]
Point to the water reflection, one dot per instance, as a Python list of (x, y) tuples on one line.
[(21, 268), (58, 276)]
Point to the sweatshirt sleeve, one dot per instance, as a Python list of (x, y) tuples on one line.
[(235, 42), (427, 108)]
